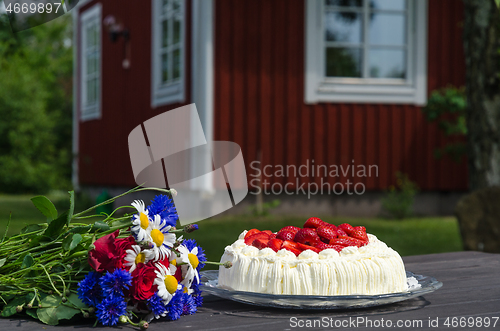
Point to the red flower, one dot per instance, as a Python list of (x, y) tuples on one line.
[(121, 246), (108, 252), (143, 278), (178, 274), (103, 257), (165, 262)]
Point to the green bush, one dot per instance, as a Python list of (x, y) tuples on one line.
[(447, 107), (398, 201), (35, 107)]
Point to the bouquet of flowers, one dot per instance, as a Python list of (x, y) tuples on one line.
[(128, 269)]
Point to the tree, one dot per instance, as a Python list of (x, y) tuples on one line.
[(482, 45), (35, 107)]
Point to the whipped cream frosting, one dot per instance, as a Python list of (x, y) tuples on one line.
[(371, 269)]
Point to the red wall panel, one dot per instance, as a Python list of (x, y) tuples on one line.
[(126, 96), (259, 100)]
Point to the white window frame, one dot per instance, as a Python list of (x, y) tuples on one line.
[(319, 88), (90, 16), (164, 94)]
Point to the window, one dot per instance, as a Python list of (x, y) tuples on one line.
[(90, 57), (168, 52), (366, 51)]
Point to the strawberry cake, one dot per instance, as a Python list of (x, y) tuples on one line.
[(319, 259)]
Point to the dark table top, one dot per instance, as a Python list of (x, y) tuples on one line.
[(469, 299)]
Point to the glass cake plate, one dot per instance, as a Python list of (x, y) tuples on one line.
[(210, 278)]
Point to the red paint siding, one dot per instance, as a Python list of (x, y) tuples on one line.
[(259, 99), (126, 96)]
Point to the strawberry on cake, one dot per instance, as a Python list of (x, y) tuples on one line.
[(319, 259)]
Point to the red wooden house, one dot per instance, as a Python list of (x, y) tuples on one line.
[(293, 82)]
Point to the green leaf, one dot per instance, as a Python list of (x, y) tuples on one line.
[(31, 228), (53, 310), (47, 315), (32, 313), (75, 300), (77, 238), (80, 229), (10, 308), (497, 3), (66, 242), (56, 226), (100, 226), (46, 207), (2, 261), (71, 206), (27, 261)]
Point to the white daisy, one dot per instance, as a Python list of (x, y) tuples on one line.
[(189, 263), (166, 282), (162, 240), (135, 256), (141, 222)]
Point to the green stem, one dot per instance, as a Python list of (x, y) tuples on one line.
[(7, 228), (76, 255), (50, 280), (136, 189)]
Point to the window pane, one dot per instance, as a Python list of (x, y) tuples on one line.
[(91, 63), (387, 63), (387, 29), (165, 6), (164, 68), (344, 26), (345, 3), (177, 29), (176, 4), (177, 64), (343, 62), (91, 35), (164, 33), (91, 91), (388, 4)]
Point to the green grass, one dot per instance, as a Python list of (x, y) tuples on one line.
[(24, 212), (409, 237)]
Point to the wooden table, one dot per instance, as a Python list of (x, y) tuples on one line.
[(471, 288)]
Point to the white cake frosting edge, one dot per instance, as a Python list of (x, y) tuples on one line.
[(369, 270)]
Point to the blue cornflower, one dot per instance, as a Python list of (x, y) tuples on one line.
[(164, 206), (89, 290), (190, 244), (112, 284), (155, 304), (176, 306), (189, 307), (196, 295), (110, 309)]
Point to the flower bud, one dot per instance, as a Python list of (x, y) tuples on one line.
[(68, 293), (173, 192), (19, 309), (123, 319), (29, 306), (227, 264), (91, 310), (51, 292), (143, 325), (190, 228), (64, 299), (86, 315)]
